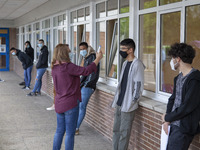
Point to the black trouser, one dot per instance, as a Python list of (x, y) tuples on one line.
[(178, 140)]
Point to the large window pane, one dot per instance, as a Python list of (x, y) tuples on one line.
[(55, 37), (74, 42), (87, 13), (64, 19), (112, 48), (101, 32), (170, 33), (55, 21), (147, 49), (46, 38), (81, 15), (147, 3), (100, 9), (124, 6), (163, 2), (124, 33), (87, 33), (112, 7), (192, 31), (64, 35), (73, 17), (60, 36), (60, 20)]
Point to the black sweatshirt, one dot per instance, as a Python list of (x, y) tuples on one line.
[(91, 80), (25, 59), (189, 111), (43, 58), (30, 52)]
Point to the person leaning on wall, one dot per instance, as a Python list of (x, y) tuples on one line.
[(183, 108)]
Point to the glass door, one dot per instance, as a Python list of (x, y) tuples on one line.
[(4, 50)]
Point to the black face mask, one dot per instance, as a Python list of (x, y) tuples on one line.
[(123, 54)]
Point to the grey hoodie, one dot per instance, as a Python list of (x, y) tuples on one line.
[(135, 86)]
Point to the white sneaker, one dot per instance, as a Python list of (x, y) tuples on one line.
[(1, 80), (28, 88), (51, 108)]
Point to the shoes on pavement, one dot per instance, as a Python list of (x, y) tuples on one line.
[(22, 83), (24, 87), (38, 93), (1, 80), (77, 132), (31, 94), (51, 108), (28, 88)]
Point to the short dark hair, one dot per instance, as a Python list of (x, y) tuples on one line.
[(13, 48), (29, 43), (41, 40), (84, 44), (182, 50), (129, 43)]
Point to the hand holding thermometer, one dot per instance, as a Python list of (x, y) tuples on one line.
[(99, 49)]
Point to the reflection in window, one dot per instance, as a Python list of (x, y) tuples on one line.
[(101, 31), (124, 6), (81, 15), (192, 36), (100, 9), (170, 33), (163, 2), (148, 49), (112, 7), (147, 4), (112, 47)]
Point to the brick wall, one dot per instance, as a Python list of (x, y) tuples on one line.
[(145, 133)]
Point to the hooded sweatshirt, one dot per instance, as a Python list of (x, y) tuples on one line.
[(189, 111)]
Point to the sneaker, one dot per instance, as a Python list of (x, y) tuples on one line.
[(22, 83), (51, 108), (24, 87), (38, 93), (31, 94), (1, 80), (28, 88), (77, 132)]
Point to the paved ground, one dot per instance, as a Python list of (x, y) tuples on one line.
[(25, 124)]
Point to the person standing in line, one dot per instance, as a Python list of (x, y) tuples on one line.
[(30, 52), (26, 63), (41, 66), (88, 83), (183, 108), (66, 78), (127, 95)]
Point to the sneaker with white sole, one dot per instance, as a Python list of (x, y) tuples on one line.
[(1, 80), (51, 108), (31, 94), (28, 88)]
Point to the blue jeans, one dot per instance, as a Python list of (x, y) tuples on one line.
[(85, 94), (38, 80), (66, 122), (27, 76)]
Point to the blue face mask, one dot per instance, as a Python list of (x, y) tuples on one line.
[(40, 45), (71, 55), (83, 52), (13, 53), (28, 46)]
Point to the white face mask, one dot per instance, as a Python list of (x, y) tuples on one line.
[(173, 65)]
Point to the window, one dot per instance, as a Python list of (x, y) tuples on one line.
[(81, 15), (147, 3), (100, 10), (147, 49), (87, 13), (124, 6), (73, 17), (112, 7), (192, 31), (170, 33), (36, 37)]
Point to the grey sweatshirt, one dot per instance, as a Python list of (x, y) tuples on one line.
[(135, 86)]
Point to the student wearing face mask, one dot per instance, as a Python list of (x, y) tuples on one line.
[(41, 66), (27, 64), (127, 95), (183, 108), (88, 83), (30, 52)]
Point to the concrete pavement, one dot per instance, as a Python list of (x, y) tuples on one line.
[(25, 124)]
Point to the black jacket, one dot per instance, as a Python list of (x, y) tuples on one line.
[(30, 52), (91, 80), (189, 111), (43, 58), (25, 59)]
